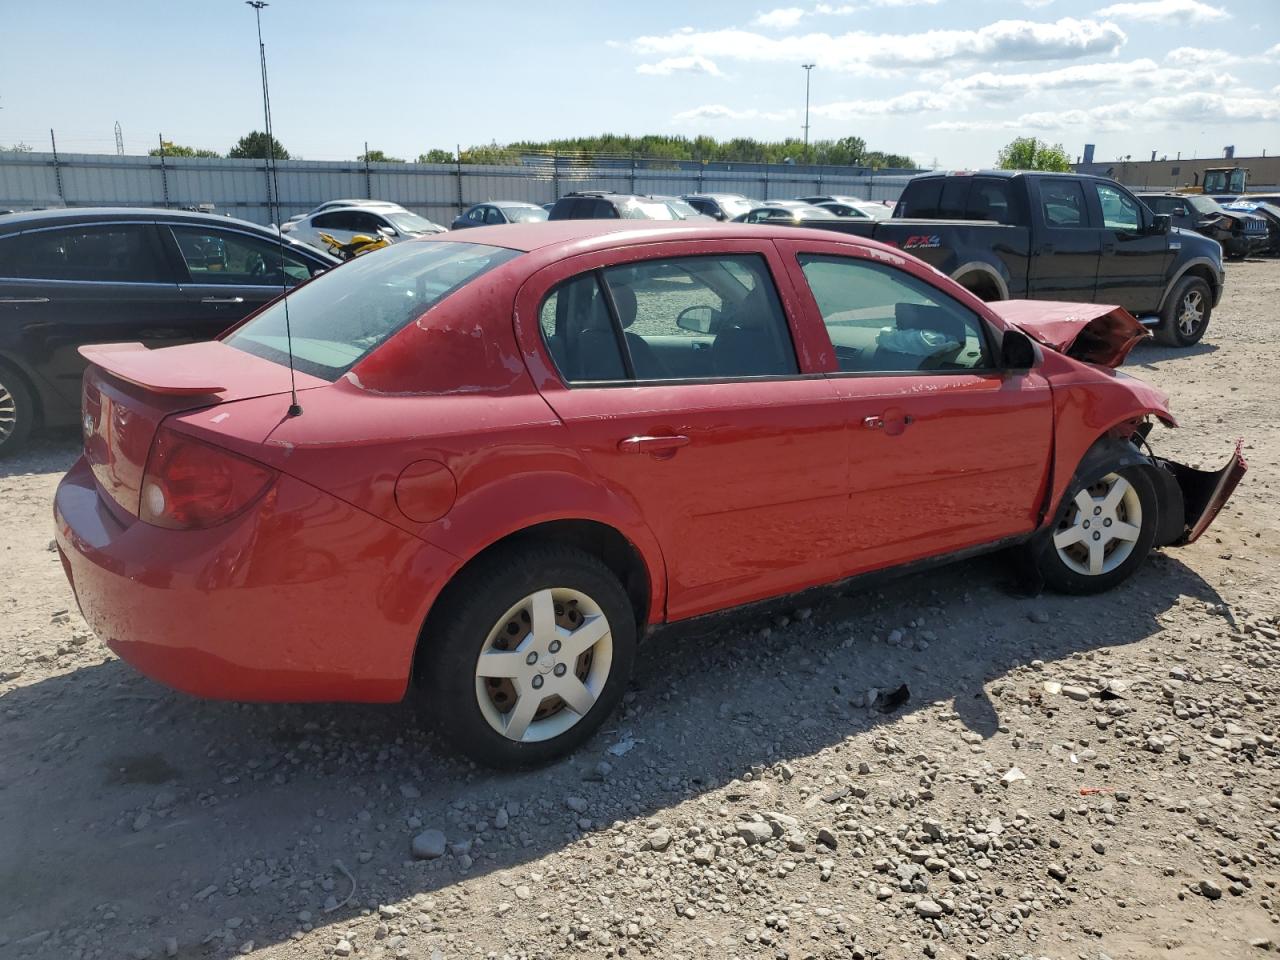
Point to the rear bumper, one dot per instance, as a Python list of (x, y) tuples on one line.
[(301, 598)]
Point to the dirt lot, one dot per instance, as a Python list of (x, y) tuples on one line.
[(1070, 778)]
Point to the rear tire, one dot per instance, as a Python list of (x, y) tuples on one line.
[(17, 411), (1186, 313), (1102, 534), (526, 654)]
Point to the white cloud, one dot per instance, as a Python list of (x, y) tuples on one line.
[(783, 18), (868, 54), (1165, 11), (1195, 107), (915, 101), (1132, 75), (718, 111), (689, 64), (1198, 55)]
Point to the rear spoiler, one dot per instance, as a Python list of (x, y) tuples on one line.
[(135, 364), (1093, 332)]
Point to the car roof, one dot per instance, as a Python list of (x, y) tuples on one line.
[(587, 235), (1004, 174), (32, 218), (509, 203)]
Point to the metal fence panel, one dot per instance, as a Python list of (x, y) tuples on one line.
[(438, 191)]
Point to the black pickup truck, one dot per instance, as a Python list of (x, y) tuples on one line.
[(1009, 235)]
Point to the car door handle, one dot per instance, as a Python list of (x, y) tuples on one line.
[(652, 444), (24, 299), (222, 299), (1108, 248), (878, 423)]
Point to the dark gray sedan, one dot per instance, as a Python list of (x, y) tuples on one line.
[(104, 275)]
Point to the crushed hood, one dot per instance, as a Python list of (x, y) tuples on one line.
[(1093, 332)]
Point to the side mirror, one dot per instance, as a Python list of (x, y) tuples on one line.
[(1017, 352), (1179, 211), (1160, 223), (700, 320), (386, 232)]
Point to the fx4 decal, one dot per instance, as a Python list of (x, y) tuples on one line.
[(922, 242)]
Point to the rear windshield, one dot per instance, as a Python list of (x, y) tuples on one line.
[(341, 316)]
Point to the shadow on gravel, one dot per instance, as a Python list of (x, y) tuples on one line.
[(54, 450), (1152, 355), (258, 801)]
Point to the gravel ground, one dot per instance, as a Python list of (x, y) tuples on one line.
[(1069, 778)]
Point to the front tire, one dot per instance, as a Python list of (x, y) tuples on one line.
[(1186, 314), (527, 653), (17, 412), (1103, 532)]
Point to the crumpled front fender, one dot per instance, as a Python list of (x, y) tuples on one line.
[(1201, 493)]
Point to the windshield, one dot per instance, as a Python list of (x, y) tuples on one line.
[(411, 222), (341, 316), (681, 209), (876, 211), (633, 209), (525, 214), (734, 206)]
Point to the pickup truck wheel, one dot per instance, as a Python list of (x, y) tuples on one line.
[(1104, 531), (527, 653), (17, 412), (1186, 314)]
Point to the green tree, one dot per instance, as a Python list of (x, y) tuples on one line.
[(378, 156), (178, 150), (494, 153), (1029, 153), (436, 155), (253, 146)]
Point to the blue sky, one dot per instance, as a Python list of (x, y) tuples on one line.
[(944, 80)]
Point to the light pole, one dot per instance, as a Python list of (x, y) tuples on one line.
[(808, 68), (272, 208)]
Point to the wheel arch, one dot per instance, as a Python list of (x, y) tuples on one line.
[(1201, 267), (7, 363), (634, 570), (989, 280)]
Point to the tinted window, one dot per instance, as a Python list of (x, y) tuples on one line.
[(603, 210), (344, 314), (579, 332), (955, 196), (120, 253), (220, 256), (362, 222), (330, 221), (882, 319), (476, 215), (921, 198), (1119, 210), (1063, 203), (989, 200), (494, 215)]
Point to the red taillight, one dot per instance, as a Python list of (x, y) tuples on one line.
[(190, 484)]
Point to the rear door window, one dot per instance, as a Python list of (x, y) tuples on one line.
[(681, 318), (989, 200), (1062, 203), (106, 253)]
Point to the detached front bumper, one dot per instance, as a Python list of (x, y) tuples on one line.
[(301, 598), (1193, 498)]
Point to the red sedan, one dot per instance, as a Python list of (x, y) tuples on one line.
[(521, 447)]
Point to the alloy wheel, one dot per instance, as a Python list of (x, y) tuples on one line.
[(1191, 313), (8, 413), (1102, 527), (544, 664)]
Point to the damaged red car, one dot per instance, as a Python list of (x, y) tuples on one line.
[(516, 451)]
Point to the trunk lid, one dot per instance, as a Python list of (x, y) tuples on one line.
[(128, 390), (1093, 332)]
